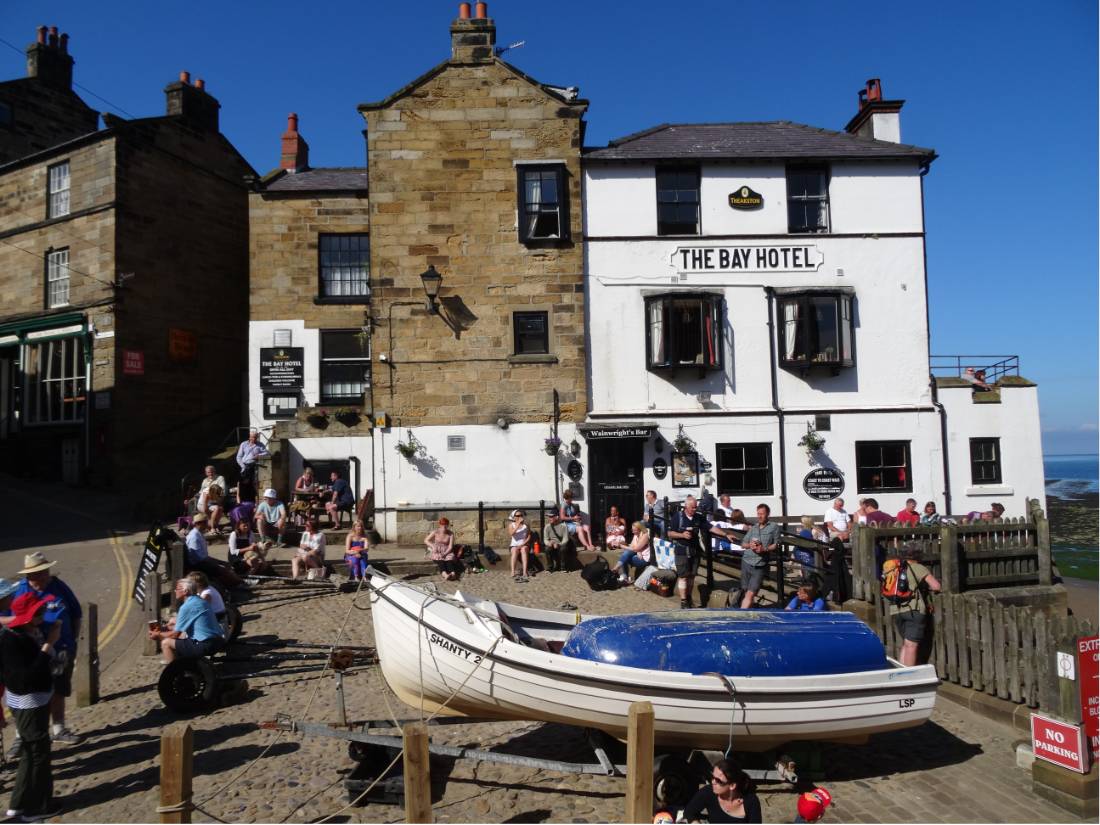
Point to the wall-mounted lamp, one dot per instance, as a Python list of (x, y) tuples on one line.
[(659, 444), (432, 280), (574, 448)]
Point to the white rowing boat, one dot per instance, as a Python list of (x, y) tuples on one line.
[(485, 659)]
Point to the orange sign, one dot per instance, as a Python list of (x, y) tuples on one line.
[(183, 346)]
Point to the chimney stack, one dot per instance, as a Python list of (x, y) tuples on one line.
[(198, 108), (877, 118), (49, 61), (472, 40), (295, 154)]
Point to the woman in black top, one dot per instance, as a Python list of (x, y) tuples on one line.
[(728, 797)]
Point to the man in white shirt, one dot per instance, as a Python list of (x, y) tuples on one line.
[(837, 521)]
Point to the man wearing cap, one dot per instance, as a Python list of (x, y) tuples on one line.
[(26, 661), (555, 539), (198, 555), (271, 516), (250, 451), (63, 610), (197, 632)]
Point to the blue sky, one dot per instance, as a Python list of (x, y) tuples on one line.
[(1005, 92)]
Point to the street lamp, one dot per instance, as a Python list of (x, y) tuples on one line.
[(432, 281)]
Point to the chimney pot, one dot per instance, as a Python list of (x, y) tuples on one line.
[(463, 11), (481, 11), (295, 151), (874, 89), (200, 83), (64, 44), (42, 34), (185, 77), (53, 36), (292, 123)]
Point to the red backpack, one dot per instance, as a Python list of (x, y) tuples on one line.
[(896, 585)]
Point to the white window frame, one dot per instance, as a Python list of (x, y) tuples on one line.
[(57, 278), (58, 190), (40, 381)]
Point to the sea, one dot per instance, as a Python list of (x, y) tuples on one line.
[(1073, 477)]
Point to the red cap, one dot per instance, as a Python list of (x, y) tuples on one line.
[(24, 607), (812, 804)]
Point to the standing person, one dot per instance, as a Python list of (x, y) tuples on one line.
[(520, 534), (250, 451), (342, 498), (555, 539), (872, 515), (357, 550), (441, 549), (910, 613), (271, 516), (761, 539), (655, 513), (909, 515), (728, 797), (684, 529), (311, 551), (838, 522), (62, 609), (26, 659)]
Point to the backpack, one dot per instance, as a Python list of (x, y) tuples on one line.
[(599, 576), (897, 588)]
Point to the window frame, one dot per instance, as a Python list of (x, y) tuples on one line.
[(523, 208), (798, 201), (516, 335), (58, 200), (721, 472), (52, 256), (715, 305), (907, 467), (342, 361), (806, 321), (38, 383), (323, 284), (679, 170), (283, 412), (995, 462)]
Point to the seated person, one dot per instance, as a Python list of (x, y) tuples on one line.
[(723, 509), (807, 599), (245, 511), (357, 551), (977, 378), (722, 540), (306, 483), (637, 555), (271, 517), (930, 517), (196, 633), (310, 555), (808, 530), (555, 539), (198, 555), (210, 594), (909, 515), (614, 529), (728, 797), (342, 499), (211, 499), (838, 522), (574, 521), (246, 551), (441, 549)]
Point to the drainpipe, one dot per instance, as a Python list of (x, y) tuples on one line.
[(773, 361), (358, 476)]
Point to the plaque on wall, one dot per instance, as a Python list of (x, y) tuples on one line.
[(745, 198), (823, 484), (660, 468), (685, 469), (574, 470)]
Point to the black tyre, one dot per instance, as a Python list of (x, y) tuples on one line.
[(188, 685), (231, 624), (674, 781)]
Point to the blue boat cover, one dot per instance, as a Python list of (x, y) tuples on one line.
[(731, 642)]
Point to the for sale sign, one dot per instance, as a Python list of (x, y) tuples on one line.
[(1059, 742), (1088, 680)]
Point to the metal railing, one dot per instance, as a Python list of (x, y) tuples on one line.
[(995, 366)]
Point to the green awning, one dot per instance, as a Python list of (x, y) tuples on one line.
[(44, 322)]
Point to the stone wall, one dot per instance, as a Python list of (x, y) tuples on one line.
[(444, 193), (43, 117)]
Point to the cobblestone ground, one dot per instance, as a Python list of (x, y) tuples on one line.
[(956, 768)]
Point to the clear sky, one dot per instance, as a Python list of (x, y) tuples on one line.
[(1005, 92)]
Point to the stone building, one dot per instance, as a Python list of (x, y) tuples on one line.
[(474, 176), (123, 262)]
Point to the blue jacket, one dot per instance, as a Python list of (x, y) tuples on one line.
[(61, 605)]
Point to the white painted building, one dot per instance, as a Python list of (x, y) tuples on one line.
[(748, 281)]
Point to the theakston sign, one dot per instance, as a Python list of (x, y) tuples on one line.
[(703, 259)]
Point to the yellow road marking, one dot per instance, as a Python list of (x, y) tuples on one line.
[(122, 610)]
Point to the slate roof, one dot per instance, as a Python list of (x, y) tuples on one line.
[(735, 141), (331, 179)]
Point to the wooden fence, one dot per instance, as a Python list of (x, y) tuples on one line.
[(1005, 651)]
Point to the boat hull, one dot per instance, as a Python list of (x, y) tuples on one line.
[(437, 655)]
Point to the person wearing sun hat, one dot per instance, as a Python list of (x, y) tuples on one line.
[(26, 669), (63, 609)]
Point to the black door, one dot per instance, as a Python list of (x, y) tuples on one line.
[(615, 469)]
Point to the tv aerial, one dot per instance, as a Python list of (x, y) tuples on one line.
[(499, 50)]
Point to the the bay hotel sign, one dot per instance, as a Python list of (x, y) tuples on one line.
[(721, 259)]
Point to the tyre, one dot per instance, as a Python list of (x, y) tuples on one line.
[(187, 685), (674, 781), (231, 624)]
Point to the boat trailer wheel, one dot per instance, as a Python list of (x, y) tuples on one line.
[(188, 685), (674, 780)]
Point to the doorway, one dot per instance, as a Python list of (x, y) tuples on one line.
[(615, 470)]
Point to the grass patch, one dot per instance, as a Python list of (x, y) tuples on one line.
[(1075, 563)]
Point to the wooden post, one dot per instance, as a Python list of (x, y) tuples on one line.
[(418, 779), (175, 571), (86, 675), (949, 559), (639, 763), (151, 611), (1042, 540), (176, 751)]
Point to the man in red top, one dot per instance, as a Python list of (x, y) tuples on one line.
[(873, 515), (909, 515)]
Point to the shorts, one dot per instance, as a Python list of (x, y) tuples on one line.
[(911, 625), (752, 577), (193, 649), (687, 565), (63, 681)]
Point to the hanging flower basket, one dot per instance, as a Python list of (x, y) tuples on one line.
[(552, 445), (348, 417), (318, 419), (684, 442), (811, 441), (410, 448)]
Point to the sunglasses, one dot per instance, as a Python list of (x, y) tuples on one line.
[(716, 781)]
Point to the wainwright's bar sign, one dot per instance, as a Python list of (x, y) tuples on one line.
[(692, 259)]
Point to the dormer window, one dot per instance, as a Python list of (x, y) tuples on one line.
[(683, 330), (815, 328), (543, 203)]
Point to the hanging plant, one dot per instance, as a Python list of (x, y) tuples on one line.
[(552, 445), (410, 448), (347, 416), (318, 419), (811, 441), (684, 442)]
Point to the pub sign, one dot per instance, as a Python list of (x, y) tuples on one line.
[(823, 484), (744, 199), (282, 368)]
